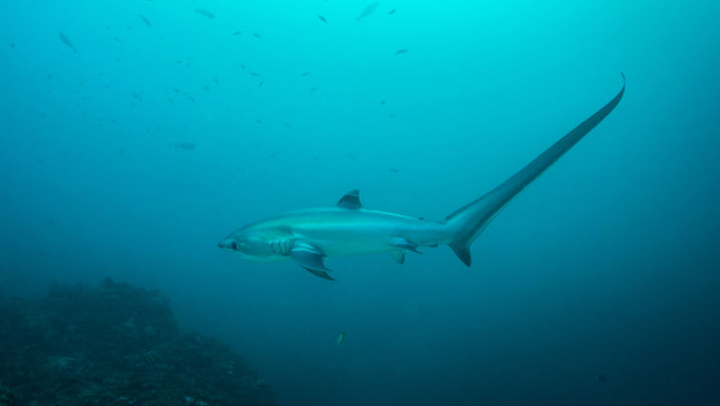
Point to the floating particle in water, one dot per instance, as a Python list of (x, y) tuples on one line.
[(65, 40), (205, 13), (145, 21), (368, 10), (185, 145)]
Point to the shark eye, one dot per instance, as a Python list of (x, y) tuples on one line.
[(234, 246)]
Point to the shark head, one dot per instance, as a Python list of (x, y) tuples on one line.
[(260, 246)]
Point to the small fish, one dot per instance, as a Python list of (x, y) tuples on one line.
[(393, 170), (256, 35), (237, 33), (65, 40), (261, 83), (204, 12), (254, 74), (313, 89), (288, 126), (340, 339), (601, 378), (382, 102), (242, 66), (176, 90), (368, 10), (217, 82), (137, 96), (401, 51), (145, 20), (304, 74), (185, 145), (322, 18), (391, 12)]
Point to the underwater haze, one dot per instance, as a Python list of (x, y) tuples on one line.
[(137, 134)]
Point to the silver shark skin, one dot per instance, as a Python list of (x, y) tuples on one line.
[(309, 236)]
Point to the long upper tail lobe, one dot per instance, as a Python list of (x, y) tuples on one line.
[(469, 221)]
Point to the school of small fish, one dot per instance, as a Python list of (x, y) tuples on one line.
[(138, 98)]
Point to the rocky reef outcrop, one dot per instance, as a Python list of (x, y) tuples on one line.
[(114, 345)]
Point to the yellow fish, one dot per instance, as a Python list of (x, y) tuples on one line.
[(340, 339)]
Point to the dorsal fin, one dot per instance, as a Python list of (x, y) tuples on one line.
[(351, 200)]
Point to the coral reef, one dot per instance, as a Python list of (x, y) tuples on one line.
[(114, 345)]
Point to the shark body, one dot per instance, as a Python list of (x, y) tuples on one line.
[(309, 236)]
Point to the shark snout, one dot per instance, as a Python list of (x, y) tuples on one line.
[(228, 244)]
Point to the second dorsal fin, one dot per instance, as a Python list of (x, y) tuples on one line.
[(351, 200)]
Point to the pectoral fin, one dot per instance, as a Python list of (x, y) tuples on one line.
[(311, 259), (321, 274)]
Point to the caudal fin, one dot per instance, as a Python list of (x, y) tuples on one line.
[(469, 221)]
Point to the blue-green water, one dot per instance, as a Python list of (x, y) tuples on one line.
[(148, 131)]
